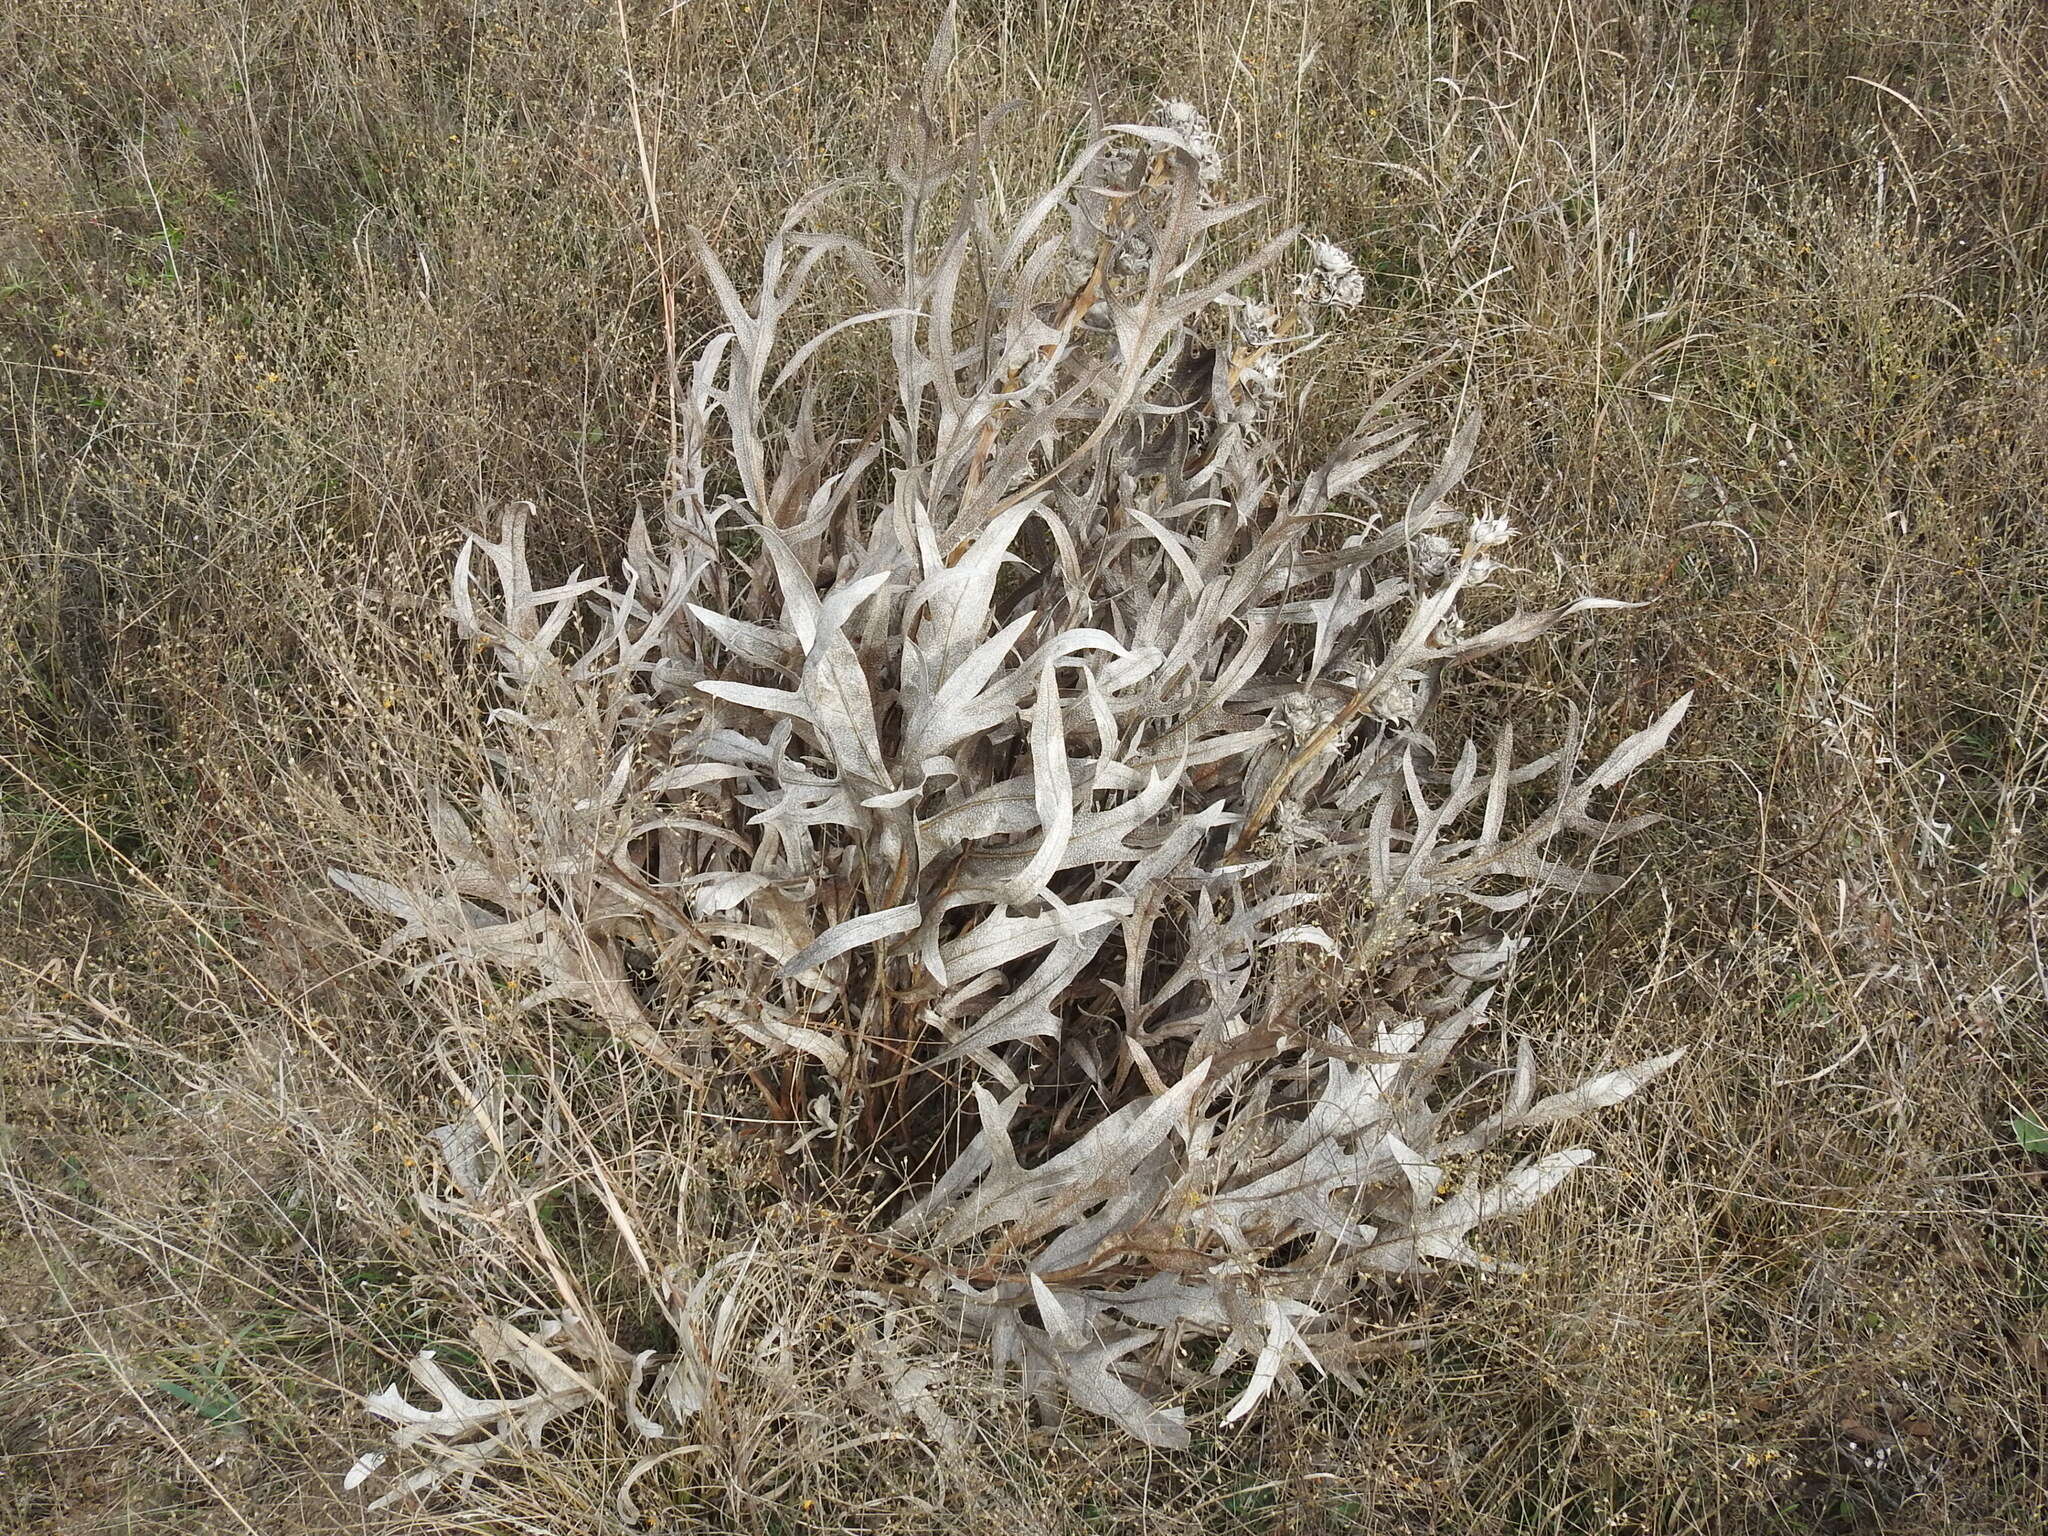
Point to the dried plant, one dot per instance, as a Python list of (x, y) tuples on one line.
[(1032, 790)]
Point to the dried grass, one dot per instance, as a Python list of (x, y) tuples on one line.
[(1758, 338)]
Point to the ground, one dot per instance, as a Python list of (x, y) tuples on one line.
[(1752, 297)]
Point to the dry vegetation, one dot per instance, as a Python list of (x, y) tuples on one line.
[(1754, 301)]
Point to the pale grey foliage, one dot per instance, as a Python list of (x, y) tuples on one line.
[(565, 1366), (995, 758), (726, 1336)]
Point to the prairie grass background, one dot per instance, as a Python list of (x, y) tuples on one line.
[(1755, 298)]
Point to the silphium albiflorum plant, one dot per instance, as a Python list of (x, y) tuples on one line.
[(1028, 779)]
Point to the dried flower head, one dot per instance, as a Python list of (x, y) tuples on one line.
[(1333, 279), (1258, 323), (1435, 556), (1197, 138), (1489, 531)]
